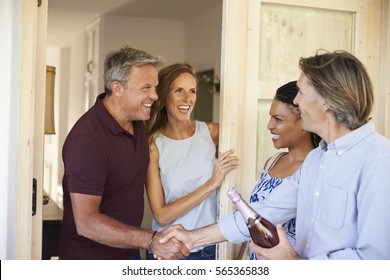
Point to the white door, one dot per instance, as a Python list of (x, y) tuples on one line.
[(262, 42)]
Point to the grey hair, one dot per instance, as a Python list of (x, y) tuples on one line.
[(118, 65)]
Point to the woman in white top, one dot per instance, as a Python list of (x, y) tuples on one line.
[(184, 173)]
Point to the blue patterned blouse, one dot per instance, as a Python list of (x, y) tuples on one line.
[(265, 186)]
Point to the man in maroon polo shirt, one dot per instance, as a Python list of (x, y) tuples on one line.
[(106, 156)]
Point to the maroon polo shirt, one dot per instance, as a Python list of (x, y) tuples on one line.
[(102, 159)]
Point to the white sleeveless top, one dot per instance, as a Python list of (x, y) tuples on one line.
[(185, 165)]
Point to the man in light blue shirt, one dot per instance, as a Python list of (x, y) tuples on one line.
[(341, 193), (340, 196)]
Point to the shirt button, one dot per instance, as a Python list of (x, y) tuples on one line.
[(339, 153), (317, 193)]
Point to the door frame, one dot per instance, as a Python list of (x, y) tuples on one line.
[(233, 87), (39, 126), (384, 73), (31, 129)]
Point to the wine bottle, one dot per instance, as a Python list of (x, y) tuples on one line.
[(262, 231)]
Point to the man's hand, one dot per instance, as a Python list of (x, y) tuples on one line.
[(179, 233), (165, 246), (191, 239), (282, 251)]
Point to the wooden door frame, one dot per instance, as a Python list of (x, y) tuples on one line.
[(31, 132), (233, 83), (384, 73), (39, 126)]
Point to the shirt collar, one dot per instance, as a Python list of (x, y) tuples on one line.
[(349, 140), (106, 117)]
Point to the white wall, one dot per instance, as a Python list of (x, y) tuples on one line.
[(69, 105), (203, 46), (156, 36), (52, 149), (203, 39), (10, 48)]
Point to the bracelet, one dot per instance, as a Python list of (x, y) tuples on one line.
[(150, 242)]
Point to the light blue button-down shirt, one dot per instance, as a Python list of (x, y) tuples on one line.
[(340, 196)]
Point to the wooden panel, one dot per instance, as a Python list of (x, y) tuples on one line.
[(289, 32)]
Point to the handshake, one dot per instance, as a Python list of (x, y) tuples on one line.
[(173, 243)]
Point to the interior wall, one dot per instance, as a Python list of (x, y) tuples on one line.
[(203, 39), (69, 106), (51, 141), (203, 46), (156, 36)]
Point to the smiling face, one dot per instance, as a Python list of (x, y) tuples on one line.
[(285, 125), (139, 93), (181, 98), (312, 107)]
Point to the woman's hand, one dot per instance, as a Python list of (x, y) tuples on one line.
[(225, 163)]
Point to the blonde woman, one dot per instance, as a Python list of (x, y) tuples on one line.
[(184, 173)]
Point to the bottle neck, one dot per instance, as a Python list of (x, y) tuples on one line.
[(246, 211)]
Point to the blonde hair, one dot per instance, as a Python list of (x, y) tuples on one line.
[(343, 82)]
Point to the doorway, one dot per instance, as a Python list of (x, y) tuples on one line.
[(204, 98)]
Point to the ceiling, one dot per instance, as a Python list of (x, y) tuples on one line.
[(66, 16)]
